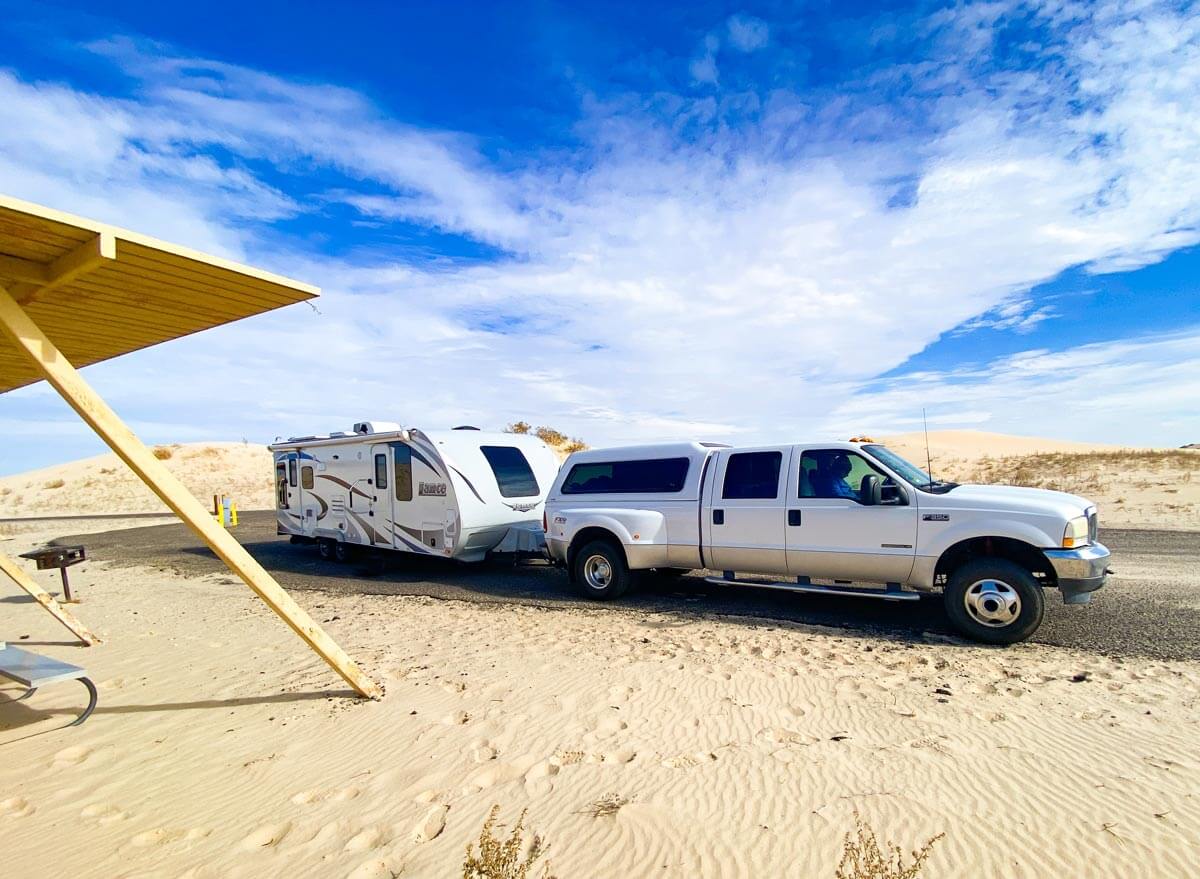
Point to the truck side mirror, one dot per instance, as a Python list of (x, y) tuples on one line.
[(871, 491)]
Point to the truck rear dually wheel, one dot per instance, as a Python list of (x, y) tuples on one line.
[(601, 571), (995, 601)]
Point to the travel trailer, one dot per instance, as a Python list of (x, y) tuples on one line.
[(458, 493)]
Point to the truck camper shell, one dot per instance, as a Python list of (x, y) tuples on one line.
[(458, 493)]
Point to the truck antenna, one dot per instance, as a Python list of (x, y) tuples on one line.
[(928, 457)]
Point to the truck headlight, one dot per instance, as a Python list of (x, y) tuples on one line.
[(1076, 533)]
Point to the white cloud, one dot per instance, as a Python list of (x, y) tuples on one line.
[(1085, 393), (747, 33), (697, 276), (703, 67)]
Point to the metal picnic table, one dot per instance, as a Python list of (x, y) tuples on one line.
[(32, 670)]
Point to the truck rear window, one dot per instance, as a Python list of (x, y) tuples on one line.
[(655, 476), (513, 473)]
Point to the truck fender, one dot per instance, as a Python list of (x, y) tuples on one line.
[(1013, 529), (630, 527)]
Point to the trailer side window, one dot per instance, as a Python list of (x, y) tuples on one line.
[(514, 476), (403, 457), (752, 475), (381, 471), (654, 476), (306, 477), (292, 472)]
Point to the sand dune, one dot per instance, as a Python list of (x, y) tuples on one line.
[(720, 747)]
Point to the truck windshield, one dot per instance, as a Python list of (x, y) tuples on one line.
[(907, 470)]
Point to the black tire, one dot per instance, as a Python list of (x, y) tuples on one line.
[(994, 601), (342, 551), (601, 572), (326, 548)]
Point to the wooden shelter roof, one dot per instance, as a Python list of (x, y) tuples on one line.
[(98, 291)]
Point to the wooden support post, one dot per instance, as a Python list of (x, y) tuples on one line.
[(46, 600), (27, 337)]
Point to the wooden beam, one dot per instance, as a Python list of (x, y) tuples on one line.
[(28, 338), (27, 270), (96, 250), (46, 600)]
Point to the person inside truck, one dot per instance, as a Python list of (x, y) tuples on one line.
[(829, 480)]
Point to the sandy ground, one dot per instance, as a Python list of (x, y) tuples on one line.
[(742, 747), (1140, 490)]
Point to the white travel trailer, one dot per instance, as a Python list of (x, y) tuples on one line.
[(458, 493)]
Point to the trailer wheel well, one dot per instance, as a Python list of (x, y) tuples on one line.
[(1024, 554), (586, 536)]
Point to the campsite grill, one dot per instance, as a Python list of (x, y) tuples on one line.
[(61, 557)]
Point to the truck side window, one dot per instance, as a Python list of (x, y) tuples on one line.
[(306, 477), (836, 473), (402, 455), (752, 475)]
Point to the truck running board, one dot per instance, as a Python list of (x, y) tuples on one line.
[(803, 584)]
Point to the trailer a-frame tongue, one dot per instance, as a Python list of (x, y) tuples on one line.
[(75, 292)]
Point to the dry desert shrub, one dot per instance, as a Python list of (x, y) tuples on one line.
[(574, 445), (163, 453), (550, 436), (54, 483), (607, 805), (5, 492), (518, 427), (502, 858), (862, 858)]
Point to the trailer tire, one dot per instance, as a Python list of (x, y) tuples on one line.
[(342, 551), (326, 548), (995, 601), (601, 571)]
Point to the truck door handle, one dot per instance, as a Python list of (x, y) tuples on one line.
[(793, 517), (718, 517)]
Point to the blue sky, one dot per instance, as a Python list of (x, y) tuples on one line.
[(634, 221)]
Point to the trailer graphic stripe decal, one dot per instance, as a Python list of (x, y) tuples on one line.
[(469, 485), (372, 534), (415, 547), (420, 457), (346, 485)]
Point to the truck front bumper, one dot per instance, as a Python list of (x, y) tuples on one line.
[(1080, 572)]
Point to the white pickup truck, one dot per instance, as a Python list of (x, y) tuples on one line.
[(843, 518)]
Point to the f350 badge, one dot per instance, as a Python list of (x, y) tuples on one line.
[(936, 517)]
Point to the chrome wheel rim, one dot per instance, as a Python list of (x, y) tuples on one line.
[(992, 603), (598, 572)]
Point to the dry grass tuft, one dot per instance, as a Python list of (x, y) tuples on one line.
[(5, 492), (609, 804), (501, 859), (54, 483), (1078, 472), (550, 436), (574, 445), (862, 858), (518, 427), (163, 453)]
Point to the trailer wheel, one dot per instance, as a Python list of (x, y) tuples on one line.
[(995, 601), (601, 571), (342, 551), (326, 547)]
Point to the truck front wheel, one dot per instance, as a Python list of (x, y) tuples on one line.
[(995, 601), (601, 571)]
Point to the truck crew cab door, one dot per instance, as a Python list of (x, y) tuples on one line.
[(832, 536), (745, 515)]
